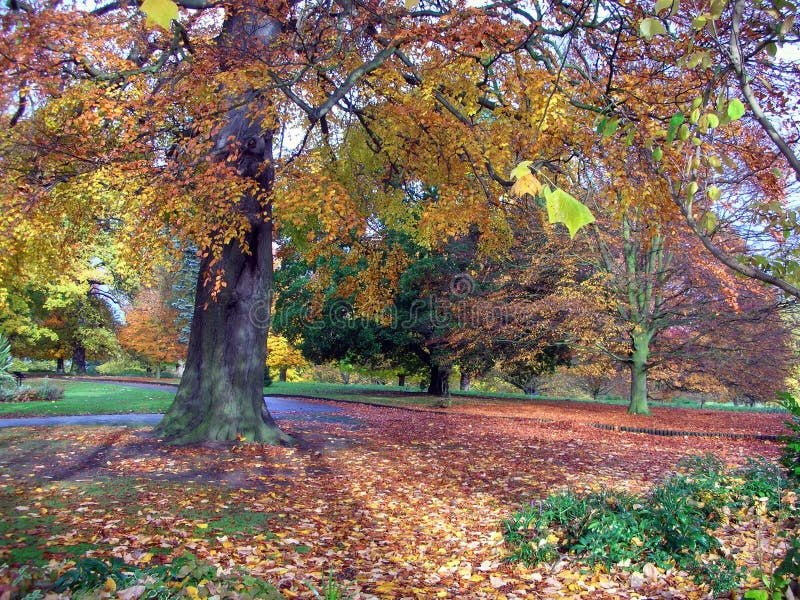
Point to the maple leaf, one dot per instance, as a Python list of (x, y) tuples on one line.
[(564, 208), (160, 12), (527, 184)]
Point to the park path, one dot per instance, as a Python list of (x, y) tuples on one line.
[(298, 408)]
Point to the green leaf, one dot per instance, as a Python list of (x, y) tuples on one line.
[(651, 27), (735, 109), (772, 49), (713, 120), (658, 154), (683, 132), (565, 208), (717, 6), (709, 222), (713, 193), (662, 4), (757, 595), (521, 169), (674, 123), (610, 126), (160, 12), (699, 22)]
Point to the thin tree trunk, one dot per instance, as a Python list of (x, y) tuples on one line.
[(282, 375), (641, 352), (401, 380), (60, 366), (466, 382)]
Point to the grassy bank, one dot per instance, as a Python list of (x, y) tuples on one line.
[(93, 398)]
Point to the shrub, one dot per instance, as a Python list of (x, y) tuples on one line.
[(48, 390), (671, 526), (791, 448), (185, 577), (122, 366), (44, 391)]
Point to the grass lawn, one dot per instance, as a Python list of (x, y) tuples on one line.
[(93, 398), (389, 395)]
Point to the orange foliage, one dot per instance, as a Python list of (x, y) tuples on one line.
[(151, 330)]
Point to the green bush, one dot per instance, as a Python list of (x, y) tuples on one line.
[(791, 448), (122, 366), (163, 582), (671, 526)]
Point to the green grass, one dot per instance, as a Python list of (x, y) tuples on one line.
[(93, 398), (390, 395)]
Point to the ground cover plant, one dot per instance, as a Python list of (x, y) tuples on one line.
[(389, 504), (672, 526)]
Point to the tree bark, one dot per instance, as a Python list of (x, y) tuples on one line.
[(466, 381), (440, 380), (79, 360), (638, 364), (401, 380), (282, 375), (60, 366), (220, 397)]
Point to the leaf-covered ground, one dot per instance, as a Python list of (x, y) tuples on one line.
[(399, 504)]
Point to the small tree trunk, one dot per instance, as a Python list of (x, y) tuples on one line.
[(401, 380), (60, 366), (641, 352), (529, 388), (79, 360), (466, 382), (282, 375), (158, 370)]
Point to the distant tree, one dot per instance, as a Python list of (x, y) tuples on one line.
[(152, 330), (282, 357)]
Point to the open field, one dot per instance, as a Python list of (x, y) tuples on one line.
[(399, 504)]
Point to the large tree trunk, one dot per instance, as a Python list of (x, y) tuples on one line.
[(440, 380), (641, 352), (220, 397), (401, 380), (282, 375), (79, 360), (60, 366)]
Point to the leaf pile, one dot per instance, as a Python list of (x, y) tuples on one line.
[(399, 504)]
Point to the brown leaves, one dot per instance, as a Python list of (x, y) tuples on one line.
[(404, 505)]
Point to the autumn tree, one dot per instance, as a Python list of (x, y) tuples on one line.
[(152, 330), (282, 356)]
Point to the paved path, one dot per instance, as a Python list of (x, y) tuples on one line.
[(294, 408)]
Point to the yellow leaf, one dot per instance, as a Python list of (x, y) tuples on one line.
[(160, 12), (110, 585), (201, 525), (521, 169), (527, 184)]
